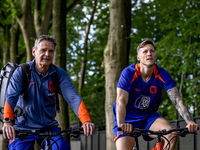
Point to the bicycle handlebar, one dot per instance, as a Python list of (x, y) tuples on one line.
[(182, 132), (21, 134)]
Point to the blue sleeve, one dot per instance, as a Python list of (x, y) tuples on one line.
[(13, 92), (68, 91), (169, 83), (125, 79)]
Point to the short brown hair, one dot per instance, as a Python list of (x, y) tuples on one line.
[(145, 42)]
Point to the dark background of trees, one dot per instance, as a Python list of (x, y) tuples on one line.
[(174, 25)]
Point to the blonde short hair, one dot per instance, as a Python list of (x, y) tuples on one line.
[(145, 42)]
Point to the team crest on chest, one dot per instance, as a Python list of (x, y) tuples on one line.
[(153, 89), (51, 87)]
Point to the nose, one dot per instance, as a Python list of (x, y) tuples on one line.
[(149, 53), (47, 53)]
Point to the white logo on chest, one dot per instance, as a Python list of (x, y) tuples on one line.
[(142, 102)]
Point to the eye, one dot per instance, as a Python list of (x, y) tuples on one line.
[(51, 51), (42, 50)]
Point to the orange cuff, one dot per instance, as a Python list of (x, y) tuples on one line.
[(8, 113), (83, 113)]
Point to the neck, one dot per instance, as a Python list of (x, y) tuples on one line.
[(42, 69), (146, 72)]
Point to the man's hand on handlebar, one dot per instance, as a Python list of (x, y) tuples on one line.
[(126, 127), (8, 131), (192, 126), (88, 128)]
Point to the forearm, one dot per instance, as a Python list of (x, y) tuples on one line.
[(183, 111), (120, 113), (179, 104), (122, 100)]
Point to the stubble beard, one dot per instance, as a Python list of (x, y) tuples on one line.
[(148, 65)]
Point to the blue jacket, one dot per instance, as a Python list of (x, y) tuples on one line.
[(40, 107)]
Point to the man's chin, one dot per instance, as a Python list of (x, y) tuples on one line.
[(44, 64), (149, 65)]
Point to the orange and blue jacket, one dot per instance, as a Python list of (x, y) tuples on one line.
[(40, 106)]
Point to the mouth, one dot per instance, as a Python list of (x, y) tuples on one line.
[(46, 59), (149, 59)]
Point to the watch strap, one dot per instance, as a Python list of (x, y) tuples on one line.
[(7, 120)]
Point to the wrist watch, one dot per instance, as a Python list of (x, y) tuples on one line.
[(7, 120)]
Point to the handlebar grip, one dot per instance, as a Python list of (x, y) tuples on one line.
[(77, 129), (119, 129), (1, 131)]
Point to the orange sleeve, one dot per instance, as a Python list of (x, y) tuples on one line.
[(83, 113), (8, 113)]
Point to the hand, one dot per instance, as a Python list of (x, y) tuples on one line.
[(8, 131), (88, 128), (192, 126), (126, 127)]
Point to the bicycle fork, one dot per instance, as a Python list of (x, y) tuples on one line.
[(159, 144)]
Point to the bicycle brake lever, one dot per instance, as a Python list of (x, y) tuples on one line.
[(183, 133), (76, 132), (22, 136), (136, 133)]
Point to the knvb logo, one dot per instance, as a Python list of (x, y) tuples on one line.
[(51, 87), (153, 89)]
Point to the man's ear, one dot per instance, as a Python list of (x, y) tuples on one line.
[(138, 58), (33, 51)]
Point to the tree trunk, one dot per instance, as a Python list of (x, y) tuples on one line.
[(115, 58), (6, 43), (42, 24), (83, 64), (26, 25), (14, 37), (59, 33)]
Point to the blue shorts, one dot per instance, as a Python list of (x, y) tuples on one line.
[(58, 142), (144, 123)]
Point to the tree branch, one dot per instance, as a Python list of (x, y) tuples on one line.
[(47, 16), (37, 21), (76, 2)]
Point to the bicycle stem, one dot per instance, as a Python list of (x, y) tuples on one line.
[(159, 144)]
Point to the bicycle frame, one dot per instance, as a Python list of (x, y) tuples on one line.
[(159, 144)]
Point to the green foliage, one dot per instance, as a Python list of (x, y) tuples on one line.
[(1, 50), (5, 12), (93, 93)]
